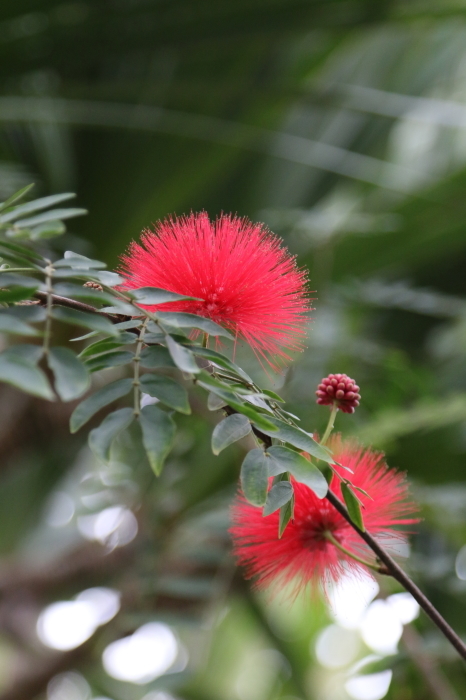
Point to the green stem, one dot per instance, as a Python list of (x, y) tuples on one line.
[(19, 269), (328, 536), (330, 424), (205, 340), (48, 321), (137, 361)]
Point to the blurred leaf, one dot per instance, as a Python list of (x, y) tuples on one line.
[(182, 357), (34, 205), (79, 262), (101, 438), (49, 216), (52, 228), (167, 391), (25, 375), (71, 377), (260, 420), (285, 515), (13, 325), (183, 320), (16, 197), (14, 294), (101, 346), (254, 477), (85, 319), (214, 402), (114, 358), (273, 395), (75, 291), (97, 400), (149, 296), (157, 356), (158, 434), (298, 438), (278, 495), (229, 430), (282, 459), (219, 360), (352, 503)]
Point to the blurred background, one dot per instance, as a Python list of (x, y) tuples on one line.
[(342, 125)]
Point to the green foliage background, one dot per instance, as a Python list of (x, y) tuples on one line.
[(342, 125)]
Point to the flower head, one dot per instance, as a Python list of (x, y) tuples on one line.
[(246, 280), (338, 389), (304, 555)]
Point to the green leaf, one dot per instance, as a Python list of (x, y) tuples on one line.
[(85, 319), (158, 434), (24, 252), (298, 438), (261, 421), (352, 503), (30, 207), (101, 438), (183, 320), (285, 515), (52, 228), (254, 477), (229, 430), (220, 361), (13, 325), (120, 307), (76, 291), (278, 495), (182, 357), (282, 459), (51, 215), (80, 262), (214, 402), (115, 358), (13, 294), (273, 395), (106, 344), (21, 372), (167, 390), (108, 279), (11, 279), (149, 296), (90, 406), (16, 197), (71, 377), (156, 356)]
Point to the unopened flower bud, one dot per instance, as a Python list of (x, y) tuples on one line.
[(338, 389)]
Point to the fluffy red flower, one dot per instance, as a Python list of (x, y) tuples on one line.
[(247, 281), (303, 555)]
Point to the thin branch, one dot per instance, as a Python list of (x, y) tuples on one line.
[(77, 305), (397, 572)]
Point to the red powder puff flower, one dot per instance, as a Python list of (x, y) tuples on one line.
[(247, 282), (304, 555)]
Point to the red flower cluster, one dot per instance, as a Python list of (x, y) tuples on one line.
[(247, 282), (304, 555), (338, 389)]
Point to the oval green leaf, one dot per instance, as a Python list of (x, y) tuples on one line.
[(101, 438), (254, 477), (90, 406), (353, 505), (182, 357), (229, 430), (71, 377), (167, 391), (278, 495), (282, 459), (158, 434)]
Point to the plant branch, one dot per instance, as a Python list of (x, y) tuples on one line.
[(137, 362), (397, 572)]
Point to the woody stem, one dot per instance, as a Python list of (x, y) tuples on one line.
[(328, 536), (403, 578)]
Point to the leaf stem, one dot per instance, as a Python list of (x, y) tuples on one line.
[(375, 567), (136, 362), (330, 424)]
